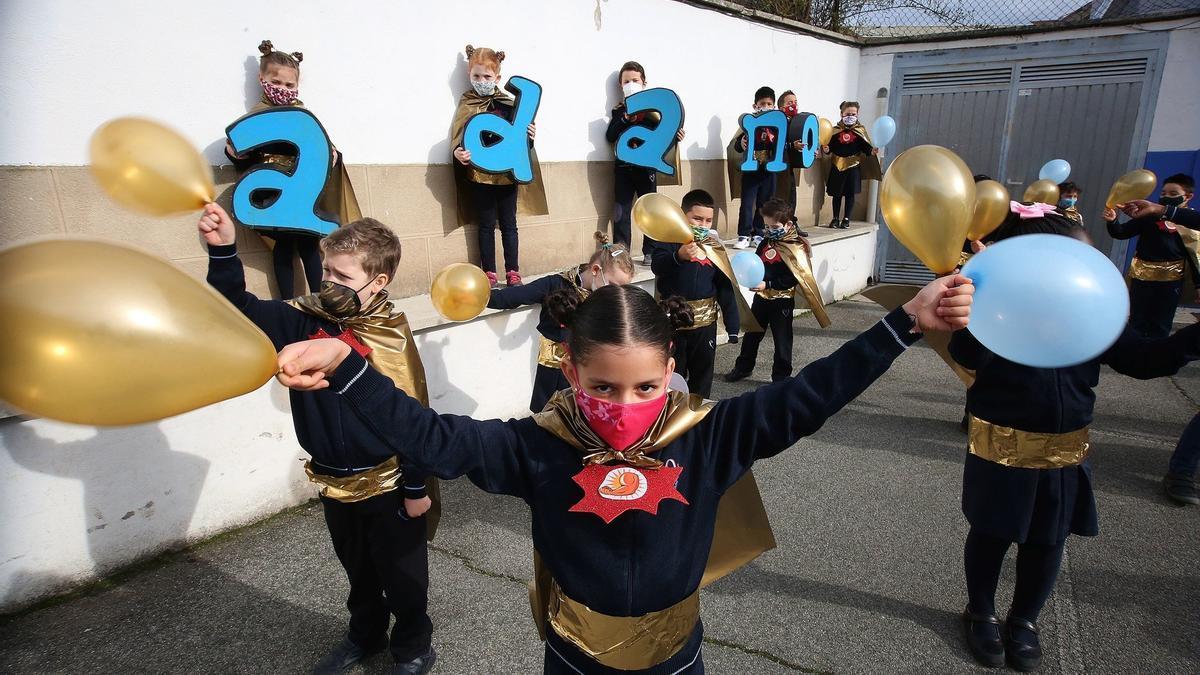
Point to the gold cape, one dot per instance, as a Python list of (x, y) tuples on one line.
[(531, 197), (799, 262), (870, 163), (337, 199), (715, 251), (1191, 243), (891, 296), (742, 531), (393, 353)]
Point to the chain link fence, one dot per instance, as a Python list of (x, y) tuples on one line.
[(900, 20)]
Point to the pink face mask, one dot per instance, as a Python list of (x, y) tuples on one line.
[(619, 424), (279, 95)]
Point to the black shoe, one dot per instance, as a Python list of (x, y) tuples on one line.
[(982, 632), (418, 666), (801, 232), (1181, 489), (1024, 654), (845, 223), (341, 657), (833, 223), (736, 375)]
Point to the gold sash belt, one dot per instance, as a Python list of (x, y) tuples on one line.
[(763, 156), (1145, 270), (704, 312), (357, 487), (625, 642), (847, 163), (551, 353), (776, 294), (1027, 449)]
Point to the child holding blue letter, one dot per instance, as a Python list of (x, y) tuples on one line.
[(629, 181), (757, 186), (623, 477), (279, 77), (492, 198)]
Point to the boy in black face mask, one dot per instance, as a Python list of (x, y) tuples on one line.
[(1161, 260), (375, 507)]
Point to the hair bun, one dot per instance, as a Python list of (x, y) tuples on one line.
[(679, 312), (265, 47), (470, 51), (562, 305), (299, 56), (500, 56)]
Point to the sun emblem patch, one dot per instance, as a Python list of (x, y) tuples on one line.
[(609, 491)]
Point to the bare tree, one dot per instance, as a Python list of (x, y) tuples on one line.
[(838, 15)]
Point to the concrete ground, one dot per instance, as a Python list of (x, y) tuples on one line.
[(867, 576)]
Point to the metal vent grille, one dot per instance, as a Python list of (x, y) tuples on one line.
[(1087, 70), (979, 77), (906, 272)]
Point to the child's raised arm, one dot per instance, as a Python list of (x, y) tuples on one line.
[(490, 453), (768, 420)]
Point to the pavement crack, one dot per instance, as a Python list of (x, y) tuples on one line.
[(778, 660), (470, 564), (1183, 392)]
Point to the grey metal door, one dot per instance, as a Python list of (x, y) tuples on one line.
[(1008, 110)]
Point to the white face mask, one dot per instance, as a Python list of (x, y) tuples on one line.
[(483, 88), (631, 88), (598, 281), (765, 108), (850, 119)]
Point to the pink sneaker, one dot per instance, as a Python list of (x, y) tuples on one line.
[(492, 279), (513, 277)]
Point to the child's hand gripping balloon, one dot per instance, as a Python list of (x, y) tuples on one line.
[(943, 305), (216, 226), (304, 365)]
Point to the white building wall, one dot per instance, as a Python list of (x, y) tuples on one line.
[(385, 76)]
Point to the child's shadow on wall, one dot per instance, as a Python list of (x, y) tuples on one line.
[(145, 458), (443, 393), (599, 159), (439, 173)]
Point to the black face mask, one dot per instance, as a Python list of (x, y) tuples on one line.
[(340, 300), (1172, 201)]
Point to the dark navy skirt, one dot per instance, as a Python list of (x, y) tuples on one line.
[(843, 182), (546, 381), (1036, 506)]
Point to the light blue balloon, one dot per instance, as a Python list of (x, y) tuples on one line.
[(883, 131), (748, 268), (1056, 170), (1046, 300)]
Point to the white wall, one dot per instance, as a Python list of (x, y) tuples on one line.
[(77, 502), (384, 76)]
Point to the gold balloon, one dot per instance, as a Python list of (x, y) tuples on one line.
[(928, 199), (102, 333), (1137, 184), (147, 167), (661, 219), (460, 291), (991, 208), (824, 130), (1043, 191)]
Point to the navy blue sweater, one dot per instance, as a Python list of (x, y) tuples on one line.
[(693, 281), (339, 442), (640, 562), (533, 293), (1058, 400), (777, 275)]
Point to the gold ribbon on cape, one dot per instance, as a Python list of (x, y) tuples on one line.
[(869, 162), (1147, 270), (624, 642), (715, 251), (393, 352), (799, 263), (377, 480), (1027, 449), (337, 198), (891, 296), (742, 531), (531, 197)]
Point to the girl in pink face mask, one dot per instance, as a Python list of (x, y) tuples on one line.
[(279, 78), (623, 477)]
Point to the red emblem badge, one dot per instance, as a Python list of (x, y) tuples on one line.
[(846, 137), (345, 336), (769, 254), (609, 491)]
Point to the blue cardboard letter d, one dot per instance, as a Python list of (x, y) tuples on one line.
[(510, 154)]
